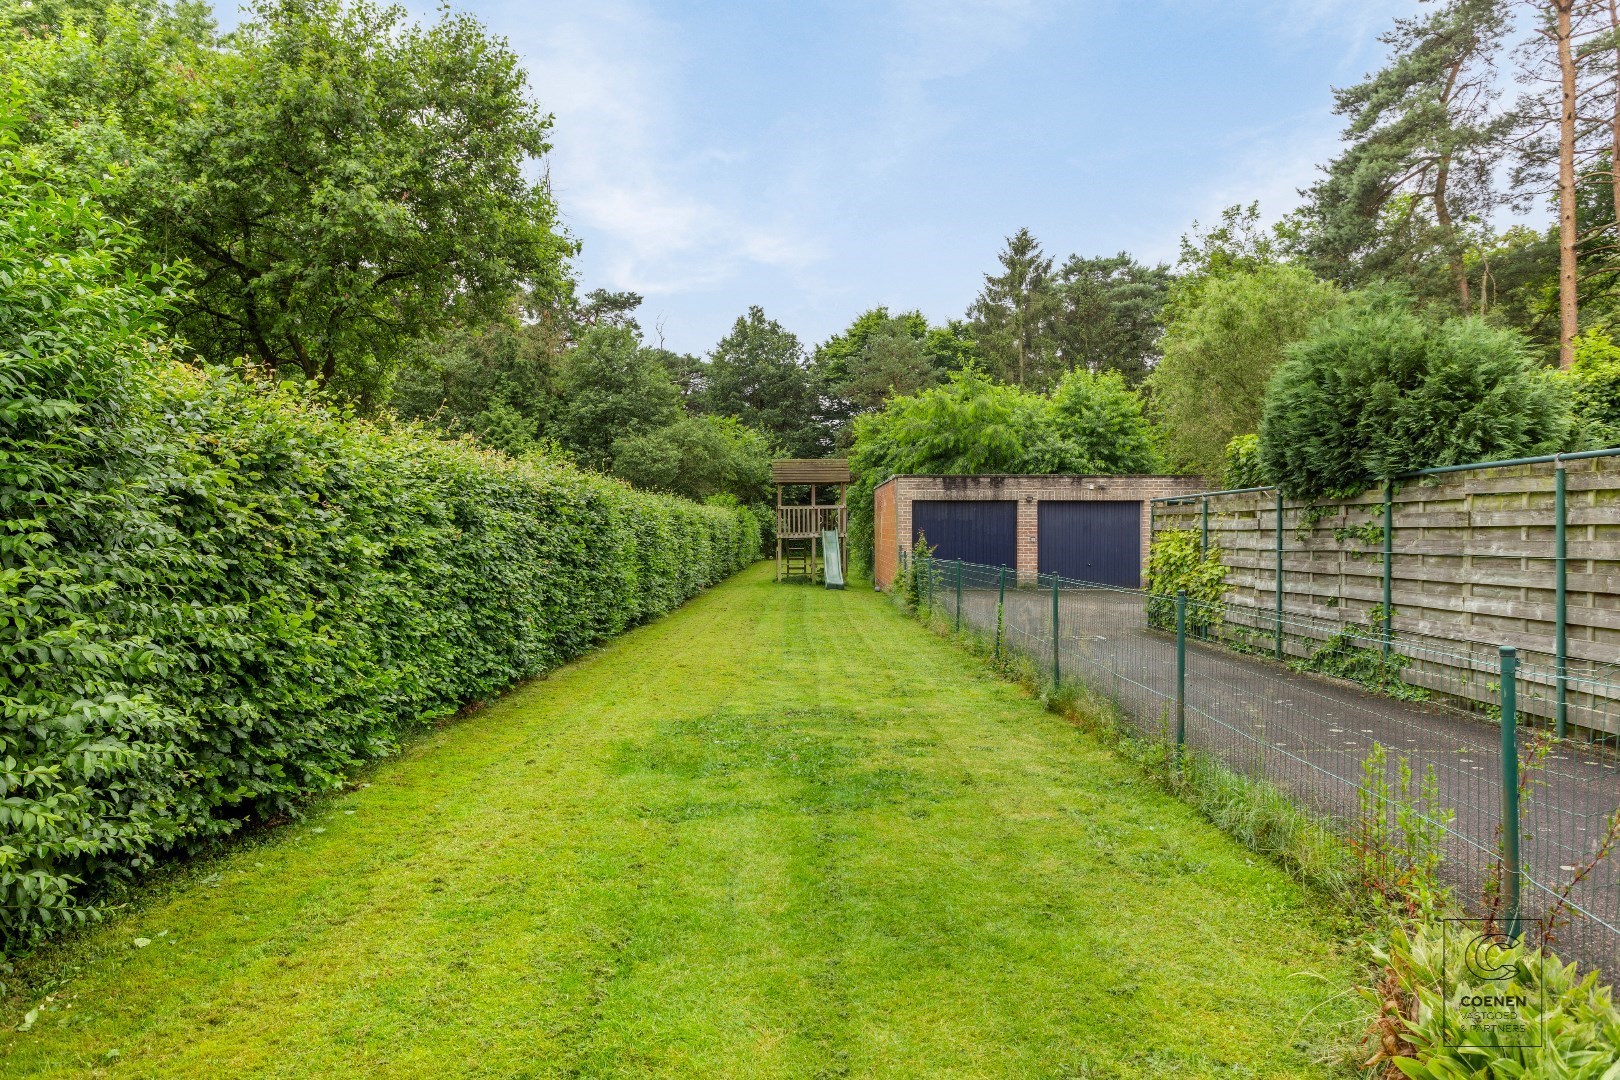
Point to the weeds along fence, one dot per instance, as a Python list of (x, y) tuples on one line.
[(1330, 722)]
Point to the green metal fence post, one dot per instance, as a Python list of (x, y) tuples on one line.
[(1203, 542), (1561, 591), (1001, 607), (1279, 575), (1389, 562), (1510, 791), (1056, 674), (958, 595), (1181, 673)]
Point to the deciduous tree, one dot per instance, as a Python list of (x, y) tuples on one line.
[(759, 374), (341, 180), (611, 388), (1222, 341)]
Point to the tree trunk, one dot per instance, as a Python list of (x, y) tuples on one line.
[(1568, 301), (1442, 214), (1614, 124), (1442, 210)]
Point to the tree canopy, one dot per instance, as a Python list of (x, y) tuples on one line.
[(1423, 143), (610, 388), (759, 374), (340, 180), (1090, 424), (1225, 334), (699, 457), (1107, 314)]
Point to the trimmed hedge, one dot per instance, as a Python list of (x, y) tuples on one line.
[(217, 598)]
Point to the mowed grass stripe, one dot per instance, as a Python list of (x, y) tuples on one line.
[(782, 832)]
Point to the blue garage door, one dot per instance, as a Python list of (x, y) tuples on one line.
[(975, 532), (1092, 541)]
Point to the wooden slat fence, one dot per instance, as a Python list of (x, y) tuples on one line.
[(1473, 569)]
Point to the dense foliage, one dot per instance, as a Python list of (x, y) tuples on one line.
[(341, 180), (1592, 384), (608, 388), (1242, 468), (498, 382), (1226, 332), (880, 356), (759, 374), (1377, 390), (1179, 562), (1089, 424), (219, 596), (1031, 323), (698, 457)]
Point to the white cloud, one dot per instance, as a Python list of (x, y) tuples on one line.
[(611, 72)]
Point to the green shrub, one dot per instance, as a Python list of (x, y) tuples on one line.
[(1175, 563), (89, 758), (1593, 385), (1376, 390), (220, 597), (1242, 468), (1579, 1024)]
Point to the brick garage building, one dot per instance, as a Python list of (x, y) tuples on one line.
[(1091, 528)]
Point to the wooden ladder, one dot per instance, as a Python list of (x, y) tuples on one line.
[(800, 556)]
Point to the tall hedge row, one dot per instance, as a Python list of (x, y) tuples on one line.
[(218, 597)]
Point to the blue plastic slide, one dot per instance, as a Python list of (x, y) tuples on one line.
[(832, 566)]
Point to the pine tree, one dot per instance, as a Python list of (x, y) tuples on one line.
[(1107, 314), (1012, 315), (1424, 142), (1559, 139)]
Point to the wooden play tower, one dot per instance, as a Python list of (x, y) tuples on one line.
[(812, 539)]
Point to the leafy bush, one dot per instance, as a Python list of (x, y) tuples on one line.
[(1091, 424), (1593, 386), (1175, 563), (220, 597), (1098, 426), (1376, 390), (1580, 1024), (88, 764), (1243, 463)]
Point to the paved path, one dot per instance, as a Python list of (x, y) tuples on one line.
[(1310, 735)]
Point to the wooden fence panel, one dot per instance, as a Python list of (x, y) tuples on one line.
[(1473, 569)]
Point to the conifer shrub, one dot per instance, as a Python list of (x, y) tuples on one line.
[(1376, 390)]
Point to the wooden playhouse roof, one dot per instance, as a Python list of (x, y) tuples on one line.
[(810, 471)]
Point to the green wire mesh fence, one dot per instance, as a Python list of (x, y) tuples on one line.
[(1331, 715)]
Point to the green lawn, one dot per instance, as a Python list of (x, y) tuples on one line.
[(782, 832)]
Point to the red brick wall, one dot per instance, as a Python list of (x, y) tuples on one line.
[(1028, 491), (885, 547)]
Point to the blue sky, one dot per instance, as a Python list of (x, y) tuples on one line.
[(820, 158)]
